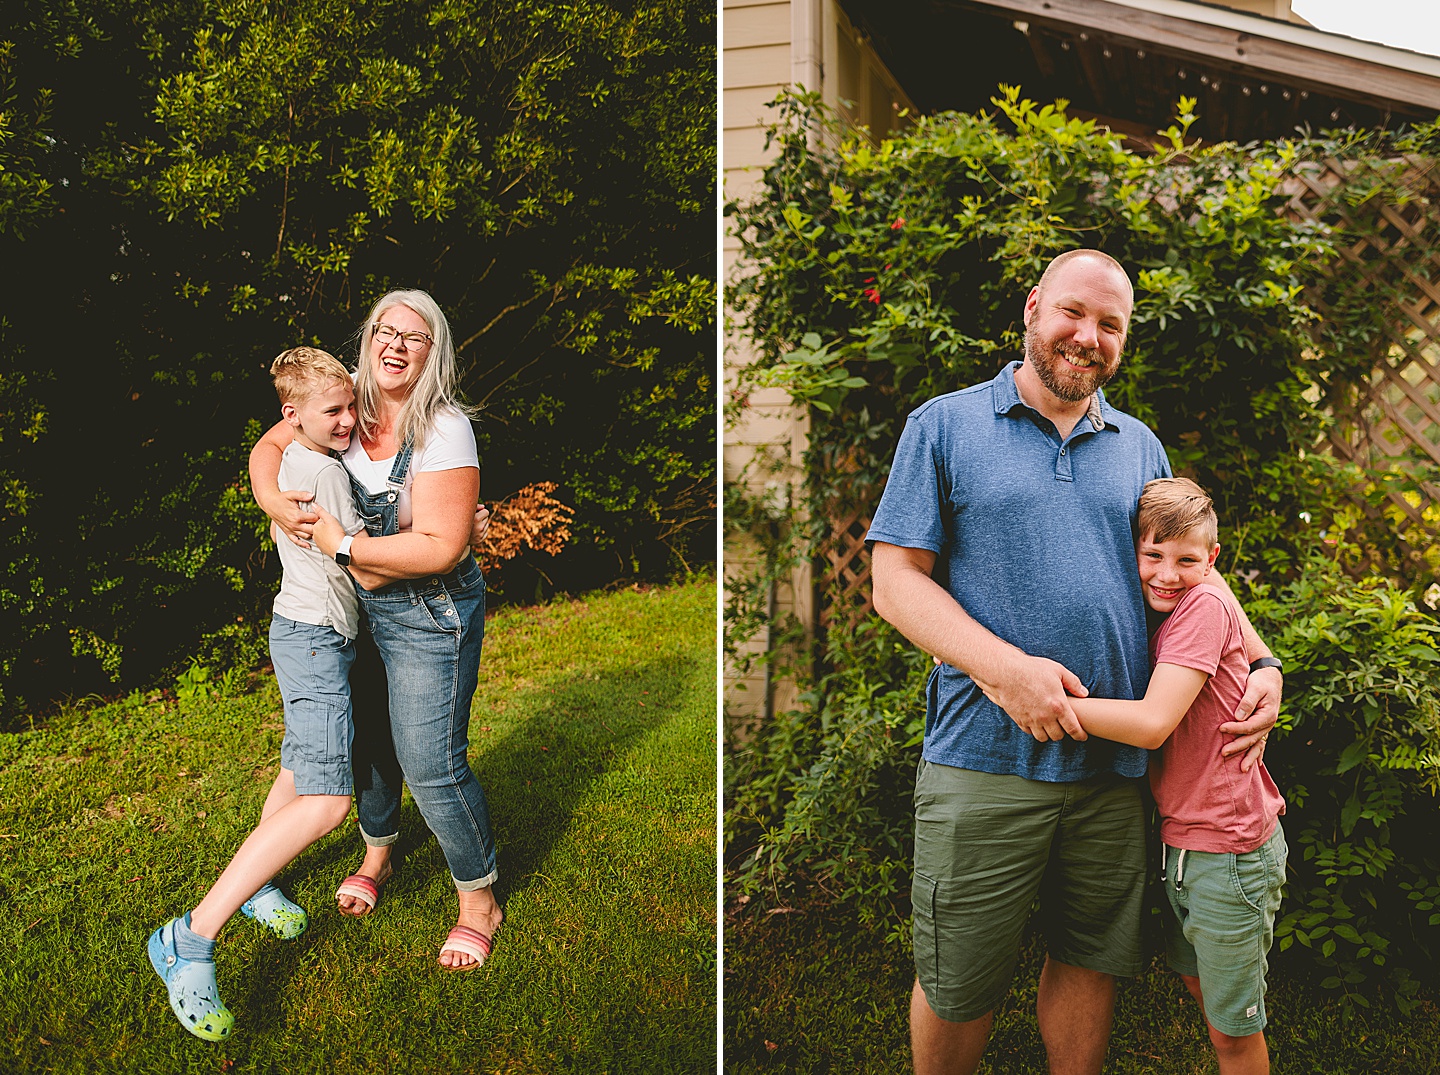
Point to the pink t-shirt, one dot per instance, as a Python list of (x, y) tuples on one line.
[(1206, 803)]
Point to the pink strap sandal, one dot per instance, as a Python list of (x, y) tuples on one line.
[(361, 888), (468, 942)]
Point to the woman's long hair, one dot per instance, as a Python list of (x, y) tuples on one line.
[(434, 390)]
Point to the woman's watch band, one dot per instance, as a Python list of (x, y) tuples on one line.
[(342, 556), (1267, 662)]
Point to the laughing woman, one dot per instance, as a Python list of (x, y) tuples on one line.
[(415, 476)]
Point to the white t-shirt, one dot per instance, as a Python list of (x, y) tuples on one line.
[(450, 444), (313, 587)]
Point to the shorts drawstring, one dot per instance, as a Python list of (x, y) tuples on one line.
[(1179, 865)]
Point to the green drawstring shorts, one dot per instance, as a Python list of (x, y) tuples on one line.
[(1221, 924)]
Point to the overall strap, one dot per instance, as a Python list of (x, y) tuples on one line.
[(396, 481)]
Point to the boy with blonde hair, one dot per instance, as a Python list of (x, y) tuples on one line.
[(312, 645), (1222, 849)]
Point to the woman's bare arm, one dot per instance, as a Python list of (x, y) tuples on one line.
[(442, 516)]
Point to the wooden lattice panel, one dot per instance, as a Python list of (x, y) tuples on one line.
[(845, 584), (1397, 413)]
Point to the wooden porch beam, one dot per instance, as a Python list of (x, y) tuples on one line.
[(1249, 50)]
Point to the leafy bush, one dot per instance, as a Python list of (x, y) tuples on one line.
[(187, 189), (1357, 756), (820, 803), (878, 276)]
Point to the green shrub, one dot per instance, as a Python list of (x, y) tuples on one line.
[(878, 276), (821, 800), (1357, 756), (251, 178), (885, 275)]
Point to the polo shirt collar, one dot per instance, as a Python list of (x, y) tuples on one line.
[(1007, 398)]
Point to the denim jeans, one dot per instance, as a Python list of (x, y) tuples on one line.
[(412, 716)]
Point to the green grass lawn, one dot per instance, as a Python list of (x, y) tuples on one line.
[(593, 735), (805, 992)]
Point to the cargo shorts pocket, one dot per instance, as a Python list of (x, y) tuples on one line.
[(924, 934), (316, 747)]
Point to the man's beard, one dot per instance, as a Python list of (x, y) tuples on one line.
[(1063, 382)]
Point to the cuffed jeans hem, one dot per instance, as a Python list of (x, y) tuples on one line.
[(377, 841), (473, 886)]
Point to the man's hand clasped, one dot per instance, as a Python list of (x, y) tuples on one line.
[(1254, 717), (1033, 691)]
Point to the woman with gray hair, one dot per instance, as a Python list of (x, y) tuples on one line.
[(415, 475)]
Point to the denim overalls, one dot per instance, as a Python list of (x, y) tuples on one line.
[(428, 632)]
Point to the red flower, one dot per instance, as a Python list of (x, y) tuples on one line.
[(898, 224), (873, 295)]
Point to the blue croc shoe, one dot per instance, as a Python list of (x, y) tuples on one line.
[(194, 998), (279, 915)]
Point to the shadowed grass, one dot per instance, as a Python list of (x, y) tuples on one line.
[(805, 993), (593, 734)]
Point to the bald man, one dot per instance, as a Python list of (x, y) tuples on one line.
[(1004, 546)]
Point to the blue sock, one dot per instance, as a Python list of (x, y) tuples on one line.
[(190, 945)]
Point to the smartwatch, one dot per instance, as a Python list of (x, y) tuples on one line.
[(1255, 666), (342, 556)]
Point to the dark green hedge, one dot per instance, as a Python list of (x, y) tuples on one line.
[(189, 186)]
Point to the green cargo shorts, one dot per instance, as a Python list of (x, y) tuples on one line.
[(987, 846), (1222, 922)]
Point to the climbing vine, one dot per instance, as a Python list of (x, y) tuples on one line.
[(879, 275)]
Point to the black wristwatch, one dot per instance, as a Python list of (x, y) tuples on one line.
[(342, 554), (1267, 662)]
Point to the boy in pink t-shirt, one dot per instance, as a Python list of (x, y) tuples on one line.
[(1223, 851)]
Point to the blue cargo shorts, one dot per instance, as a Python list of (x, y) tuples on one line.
[(312, 666)]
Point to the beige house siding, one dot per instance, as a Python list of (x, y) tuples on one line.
[(768, 46), (757, 66)]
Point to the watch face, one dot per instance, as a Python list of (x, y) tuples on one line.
[(343, 559)]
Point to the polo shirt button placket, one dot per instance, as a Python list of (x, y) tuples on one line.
[(1062, 465)]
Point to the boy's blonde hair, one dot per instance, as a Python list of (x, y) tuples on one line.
[(302, 371), (1173, 507)]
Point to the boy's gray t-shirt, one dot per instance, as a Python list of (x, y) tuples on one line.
[(313, 587)]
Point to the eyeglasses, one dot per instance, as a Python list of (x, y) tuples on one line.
[(387, 334)]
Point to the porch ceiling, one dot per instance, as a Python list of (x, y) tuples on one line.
[(1127, 65)]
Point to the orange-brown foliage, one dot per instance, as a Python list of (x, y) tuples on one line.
[(530, 518)]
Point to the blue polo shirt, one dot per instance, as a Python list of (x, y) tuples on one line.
[(1034, 537)]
